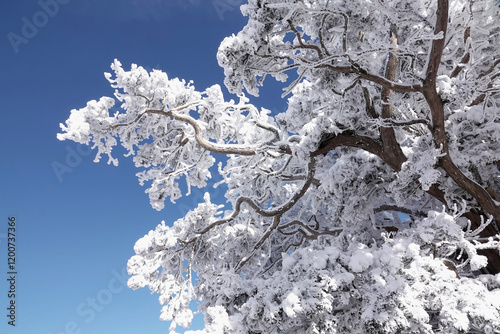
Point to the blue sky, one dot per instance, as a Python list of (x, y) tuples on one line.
[(76, 230)]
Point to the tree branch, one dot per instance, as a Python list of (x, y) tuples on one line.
[(373, 78), (366, 143), (392, 150), (306, 231), (243, 261), (465, 59), (480, 99), (437, 113), (266, 213), (302, 44), (437, 46), (370, 109), (212, 147)]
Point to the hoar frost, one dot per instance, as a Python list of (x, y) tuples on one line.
[(370, 205)]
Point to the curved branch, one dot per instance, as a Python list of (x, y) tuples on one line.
[(320, 34), (366, 143), (302, 44), (279, 211), (212, 147), (140, 115), (437, 113), (373, 78), (306, 231)]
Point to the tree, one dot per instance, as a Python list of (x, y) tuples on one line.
[(371, 205)]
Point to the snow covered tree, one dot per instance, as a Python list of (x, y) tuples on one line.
[(371, 205)]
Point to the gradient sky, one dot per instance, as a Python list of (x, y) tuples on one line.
[(76, 230)]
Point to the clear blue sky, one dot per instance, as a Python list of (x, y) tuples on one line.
[(76, 231)]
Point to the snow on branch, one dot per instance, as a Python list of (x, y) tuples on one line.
[(391, 124)]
